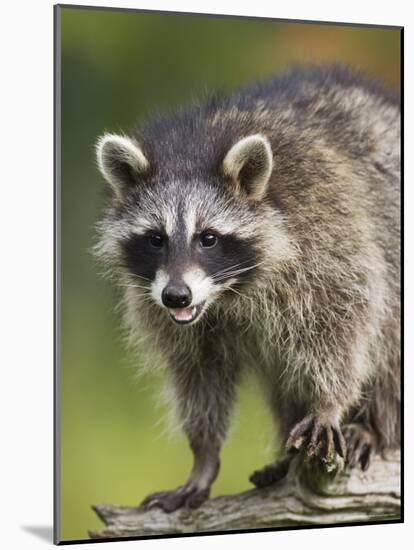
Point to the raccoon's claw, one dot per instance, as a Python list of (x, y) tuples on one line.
[(321, 435), (271, 473), (361, 445), (182, 497)]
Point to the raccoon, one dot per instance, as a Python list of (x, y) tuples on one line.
[(259, 231)]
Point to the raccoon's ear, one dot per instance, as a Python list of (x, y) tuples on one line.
[(249, 164), (121, 162)]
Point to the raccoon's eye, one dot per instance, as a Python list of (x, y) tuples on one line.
[(156, 240), (208, 240)]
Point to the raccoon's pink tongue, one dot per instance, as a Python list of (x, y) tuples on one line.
[(184, 314)]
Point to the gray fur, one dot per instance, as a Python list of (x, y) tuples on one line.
[(318, 317)]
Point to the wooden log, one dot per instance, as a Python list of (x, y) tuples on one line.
[(299, 499)]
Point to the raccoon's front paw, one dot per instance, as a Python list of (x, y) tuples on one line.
[(361, 444), (184, 496), (320, 435), (272, 473)]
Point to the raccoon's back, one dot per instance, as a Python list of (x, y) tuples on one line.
[(335, 137)]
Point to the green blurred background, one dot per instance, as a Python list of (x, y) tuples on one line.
[(117, 66)]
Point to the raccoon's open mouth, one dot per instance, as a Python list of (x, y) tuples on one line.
[(186, 315)]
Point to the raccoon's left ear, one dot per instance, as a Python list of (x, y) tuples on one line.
[(121, 162), (249, 164)]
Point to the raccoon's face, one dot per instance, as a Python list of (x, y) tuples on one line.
[(185, 241)]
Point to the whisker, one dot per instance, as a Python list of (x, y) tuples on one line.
[(140, 277), (131, 274), (224, 275), (133, 286), (231, 267)]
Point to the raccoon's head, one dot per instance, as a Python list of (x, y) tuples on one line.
[(183, 237)]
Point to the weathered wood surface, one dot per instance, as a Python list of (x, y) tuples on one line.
[(354, 496)]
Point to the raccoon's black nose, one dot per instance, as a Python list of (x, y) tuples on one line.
[(176, 295)]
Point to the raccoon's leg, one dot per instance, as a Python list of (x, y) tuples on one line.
[(362, 440), (197, 488), (205, 394), (286, 414), (348, 349), (374, 425), (331, 386), (271, 473), (362, 444)]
